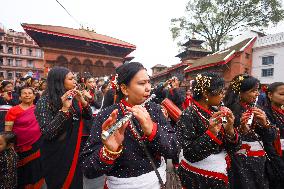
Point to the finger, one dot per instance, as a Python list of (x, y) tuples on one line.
[(106, 124), (138, 115), (143, 109), (110, 121), (114, 115), (217, 114)]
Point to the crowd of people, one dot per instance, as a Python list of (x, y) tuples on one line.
[(54, 132)]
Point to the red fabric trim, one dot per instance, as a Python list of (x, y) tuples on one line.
[(109, 162), (213, 137), (23, 148), (154, 132), (123, 101), (228, 161), (105, 185), (205, 173), (37, 185), (237, 135), (278, 110), (252, 153), (28, 159), (72, 169), (201, 107), (186, 103), (277, 144), (77, 37), (171, 91)]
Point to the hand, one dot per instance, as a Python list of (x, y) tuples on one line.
[(143, 117), (244, 119), (175, 83), (115, 140), (79, 96), (260, 116), (87, 94), (215, 123), (167, 83), (229, 127), (66, 103), (6, 96)]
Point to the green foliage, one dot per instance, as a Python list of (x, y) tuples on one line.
[(214, 20)]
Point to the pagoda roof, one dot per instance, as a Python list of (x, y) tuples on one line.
[(193, 49), (221, 57), (168, 70), (159, 66), (193, 41), (79, 34)]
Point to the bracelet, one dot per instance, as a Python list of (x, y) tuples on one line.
[(110, 155), (113, 153), (64, 111)]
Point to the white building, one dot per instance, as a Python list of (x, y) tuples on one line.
[(268, 58)]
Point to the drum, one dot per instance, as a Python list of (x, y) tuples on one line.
[(173, 111)]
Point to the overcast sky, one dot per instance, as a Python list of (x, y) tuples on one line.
[(144, 23)]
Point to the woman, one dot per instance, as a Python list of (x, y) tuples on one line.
[(8, 161), (42, 86), (21, 120), (59, 112), (120, 156), (87, 86), (272, 108), (8, 98), (248, 164), (205, 142)]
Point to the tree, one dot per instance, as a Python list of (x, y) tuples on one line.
[(215, 20)]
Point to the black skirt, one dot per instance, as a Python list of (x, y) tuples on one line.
[(29, 168)]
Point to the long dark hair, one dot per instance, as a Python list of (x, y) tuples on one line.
[(240, 83), (125, 74), (267, 105), (215, 85), (55, 86)]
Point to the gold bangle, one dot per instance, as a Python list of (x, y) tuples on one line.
[(112, 152)]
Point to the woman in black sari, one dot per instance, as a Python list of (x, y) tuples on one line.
[(121, 156), (275, 114), (206, 141), (60, 112), (248, 164)]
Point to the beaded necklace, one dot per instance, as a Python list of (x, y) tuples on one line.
[(205, 120), (278, 113), (123, 104)]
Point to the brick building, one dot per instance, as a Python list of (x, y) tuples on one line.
[(79, 50), (234, 60), (19, 54), (193, 50)]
